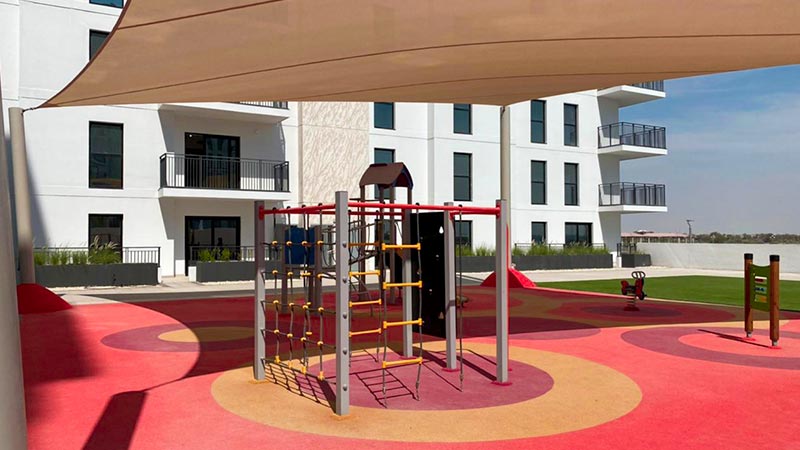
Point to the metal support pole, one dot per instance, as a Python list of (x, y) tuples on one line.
[(22, 195), (450, 288), (505, 153), (408, 293), (774, 299), (318, 250), (260, 293), (342, 306), (748, 289), (501, 270), (13, 427)]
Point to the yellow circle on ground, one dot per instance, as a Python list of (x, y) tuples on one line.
[(207, 334), (584, 394)]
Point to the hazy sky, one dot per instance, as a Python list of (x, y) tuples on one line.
[(734, 153)]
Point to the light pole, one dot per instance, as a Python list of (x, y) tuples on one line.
[(689, 222)]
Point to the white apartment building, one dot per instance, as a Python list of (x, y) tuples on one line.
[(181, 177)]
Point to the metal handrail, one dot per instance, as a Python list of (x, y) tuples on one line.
[(632, 194), (85, 255), (657, 85), (278, 105), (635, 134), (221, 172)]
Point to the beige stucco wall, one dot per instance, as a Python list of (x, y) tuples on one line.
[(334, 148)]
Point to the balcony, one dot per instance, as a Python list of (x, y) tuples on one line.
[(626, 140), (632, 197), (632, 94), (223, 178), (265, 112)]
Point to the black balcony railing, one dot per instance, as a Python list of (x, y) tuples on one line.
[(87, 255), (224, 253), (633, 194), (626, 133), (279, 105), (212, 172), (652, 85)]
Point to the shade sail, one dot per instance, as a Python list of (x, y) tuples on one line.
[(454, 51)]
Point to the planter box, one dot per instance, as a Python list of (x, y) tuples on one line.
[(97, 275), (632, 260), (560, 262), (211, 272), (476, 263)]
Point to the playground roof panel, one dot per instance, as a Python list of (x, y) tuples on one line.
[(454, 51), (387, 175)]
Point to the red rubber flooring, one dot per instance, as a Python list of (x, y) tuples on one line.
[(585, 374)]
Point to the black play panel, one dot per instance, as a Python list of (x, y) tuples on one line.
[(431, 238)]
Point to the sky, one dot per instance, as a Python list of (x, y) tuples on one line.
[(733, 162)]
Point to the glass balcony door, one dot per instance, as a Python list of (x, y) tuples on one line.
[(212, 161)]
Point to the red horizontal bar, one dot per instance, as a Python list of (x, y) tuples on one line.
[(463, 209), (297, 210)]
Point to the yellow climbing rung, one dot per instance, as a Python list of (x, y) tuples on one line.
[(401, 362), (401, 323), (306, 274), (368, 272), (364, 332), (361, 244), (365, 303), (387, 285), (416, 246)]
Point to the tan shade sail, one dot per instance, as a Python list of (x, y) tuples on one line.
[(455, 51)]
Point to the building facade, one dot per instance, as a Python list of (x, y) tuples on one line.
[(183, 177)]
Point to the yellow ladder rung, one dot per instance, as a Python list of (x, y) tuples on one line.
[(401, 323), (361, 244), (416, 246), (368, 272), (306, 274), (364, 332), (402, 362), (417, 284), (365, 303)]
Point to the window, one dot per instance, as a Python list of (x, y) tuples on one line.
[(96, 40), (383, 155), (105, 155), (538, 133), (571, 125), (462, 177), (539, 232), (463, 229), (538, 182), (578, 233), (114, 3), (570, 184), (462, 118), (215, 234), (106, 228), (384, 115)]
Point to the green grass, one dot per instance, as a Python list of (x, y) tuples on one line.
[(721, 290)]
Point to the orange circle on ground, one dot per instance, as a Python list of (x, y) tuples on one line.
[(585, 394), (206, 334)]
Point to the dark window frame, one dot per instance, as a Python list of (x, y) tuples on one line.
[(108, 3), (121, 228), (544, 233), (589, 226), (468, 177), (543, 121), (535, 182), (458, 237), (121, 154), (375, 151), (375, 115), (576, 184), (575, 125), (91, 34), (468, 109)]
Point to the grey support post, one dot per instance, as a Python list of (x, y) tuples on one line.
[(501, 271), (408, 293), (342, 306), (22, 195), (450, 288), (13, 428), (260, 292)]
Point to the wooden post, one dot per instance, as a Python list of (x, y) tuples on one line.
[(748, 289), (774, 298)]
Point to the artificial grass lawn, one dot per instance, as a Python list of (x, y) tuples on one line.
[(722, 290)]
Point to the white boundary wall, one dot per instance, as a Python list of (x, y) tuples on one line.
[(721, 256)]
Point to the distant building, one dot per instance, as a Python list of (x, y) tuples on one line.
[(652, 236)]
